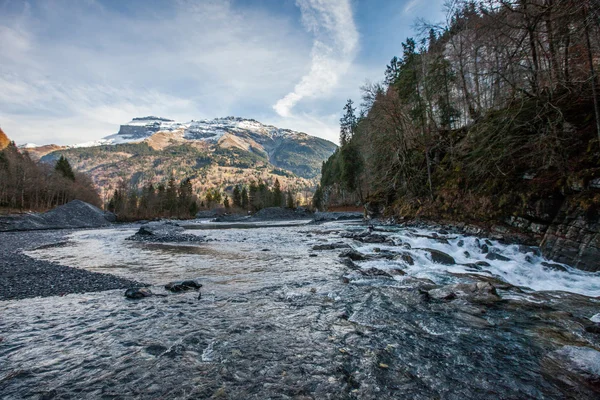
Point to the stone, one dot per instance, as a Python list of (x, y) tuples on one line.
[(353, 255), (554, 267), (482, 292), (485, 249), (496, 256), (183, 286), (331, 246), (440, 257), (138, 293)]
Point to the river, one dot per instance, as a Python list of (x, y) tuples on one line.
[(279, 320)]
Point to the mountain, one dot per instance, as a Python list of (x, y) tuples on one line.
[(4, 140), (214, 153)]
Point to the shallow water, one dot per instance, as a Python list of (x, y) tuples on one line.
[(275, 323)]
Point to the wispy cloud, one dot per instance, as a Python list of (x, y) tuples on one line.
[(334, 47), (104, 66)]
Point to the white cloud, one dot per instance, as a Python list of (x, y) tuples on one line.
[(334, 48), (85, 77)]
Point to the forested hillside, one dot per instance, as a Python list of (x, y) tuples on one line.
[(26, 185), (493, 116)]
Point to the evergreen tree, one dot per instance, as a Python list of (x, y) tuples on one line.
[(237, 196), (277, 194), (226, 202), (171, 196), (64, 168), (347, 123), (244, 198), (290, 200)]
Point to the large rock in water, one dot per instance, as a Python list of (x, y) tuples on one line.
[(574, 239), (164, 232), (75, 214)]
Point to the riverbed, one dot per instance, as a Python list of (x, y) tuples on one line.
[(283, 316)]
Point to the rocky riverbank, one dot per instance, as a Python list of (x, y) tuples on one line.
[(23, 277)]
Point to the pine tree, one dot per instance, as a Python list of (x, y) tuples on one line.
[(244, 199), (277, 194), (347, 123), (64, 168), (237, 196), (290, 200)]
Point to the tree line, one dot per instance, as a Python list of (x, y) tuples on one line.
[(178, 200), (25, 185), (501, 90)]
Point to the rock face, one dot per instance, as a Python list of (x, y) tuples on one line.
[(73, 215), (574, 239)]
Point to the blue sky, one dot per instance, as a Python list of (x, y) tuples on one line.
[(74, 70)]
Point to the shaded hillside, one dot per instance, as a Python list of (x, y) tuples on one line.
[(473, 126)]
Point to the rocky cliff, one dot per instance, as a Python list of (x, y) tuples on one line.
[(573, 237)]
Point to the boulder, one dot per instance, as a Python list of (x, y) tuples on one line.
[(183, 286), (353, 255), (440, 257), (496, 256), (138, 293), (164, 232)]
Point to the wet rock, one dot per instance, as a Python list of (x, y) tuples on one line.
[(554, 267), (331, 246), (467, 254), (337, 216), (483, 264), (530, 249), (353, 255), (138, 293), (440, 257), (483, 292), (485, 248), (164, 232), (595, 318), (374, 238), (574, 366), (460, 243), (183, 286), (496, 256), (375, 272), (407, 258)]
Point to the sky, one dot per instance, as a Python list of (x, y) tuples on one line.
[(72, 71)]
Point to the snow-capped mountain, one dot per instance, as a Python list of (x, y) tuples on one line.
[(216, 153), (140, 129)]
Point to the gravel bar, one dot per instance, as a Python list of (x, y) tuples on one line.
[(23, 277)]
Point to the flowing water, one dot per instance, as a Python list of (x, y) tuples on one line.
[(279, 320)]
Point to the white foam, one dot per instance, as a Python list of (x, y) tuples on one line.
[(522, 269)]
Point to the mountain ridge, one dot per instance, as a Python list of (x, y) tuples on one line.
[(215, 153)]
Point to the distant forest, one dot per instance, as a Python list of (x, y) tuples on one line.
[(26, 185), (479, 117), (178, 200)]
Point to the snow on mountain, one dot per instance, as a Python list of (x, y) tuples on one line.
[(139, 129)]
